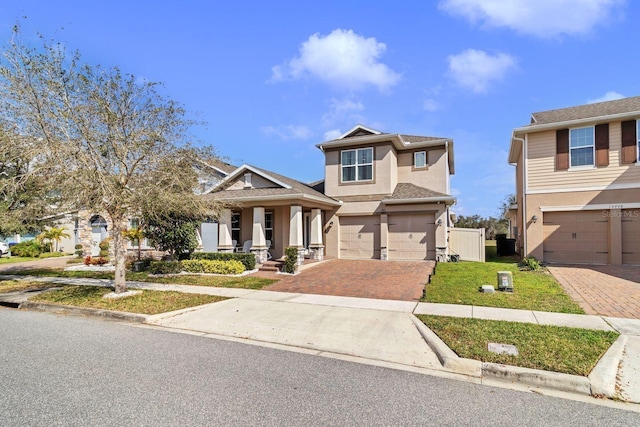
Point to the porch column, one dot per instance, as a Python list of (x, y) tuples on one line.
[(316, 248), (224, 235), (258, 239), (295, 231)]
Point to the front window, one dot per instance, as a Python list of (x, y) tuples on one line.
[(420, 159), (268, 227), (582, 147), (235, 227), (357, 165)]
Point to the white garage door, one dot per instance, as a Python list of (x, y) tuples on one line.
[(412, 236), (360, 237), (631, 236), (580, 237)]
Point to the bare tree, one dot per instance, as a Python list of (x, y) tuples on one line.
[(109, 142)]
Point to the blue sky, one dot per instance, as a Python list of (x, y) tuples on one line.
[(274, 78)]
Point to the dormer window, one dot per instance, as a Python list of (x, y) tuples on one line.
[(357, 165), (420, 159)]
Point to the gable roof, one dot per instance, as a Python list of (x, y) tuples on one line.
[(287, 188), (363, 135)]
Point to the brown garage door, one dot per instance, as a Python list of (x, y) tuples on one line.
[(631, 236), (360, 237), (580, 237), (411, 236)]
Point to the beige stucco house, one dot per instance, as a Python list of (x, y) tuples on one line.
[(384, 196), (578, 184)]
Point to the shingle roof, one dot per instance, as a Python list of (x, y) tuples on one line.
[(297, 188), (412, 191), (620, 106), (412, 139)]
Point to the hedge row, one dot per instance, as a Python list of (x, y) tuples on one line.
[(249, 260), (214, 267), (196, 266)]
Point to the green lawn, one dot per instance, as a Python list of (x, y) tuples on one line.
[(21, 285), (244, 282), (147, 302), (7, 260), (551, 348), (458, 283)]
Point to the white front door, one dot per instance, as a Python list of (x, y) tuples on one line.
[(96, 237)]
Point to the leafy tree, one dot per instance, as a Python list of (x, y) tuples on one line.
[(107, 141), (135, 236), (54, 234), (491, 225), (505, 205), (174, 234)]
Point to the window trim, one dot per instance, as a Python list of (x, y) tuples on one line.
[(593, 149), (415, 163), (356, 165), (273, 218), (637, 142)]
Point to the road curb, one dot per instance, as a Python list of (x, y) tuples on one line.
[(603, 376), (84, 311), (505, 373)]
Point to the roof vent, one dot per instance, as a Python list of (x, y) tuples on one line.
[(247, 180)]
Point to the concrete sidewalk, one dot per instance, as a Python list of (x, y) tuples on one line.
[(386, 331)]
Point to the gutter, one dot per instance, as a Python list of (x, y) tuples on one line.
[(446, 199), (284, 197), (569, 123)]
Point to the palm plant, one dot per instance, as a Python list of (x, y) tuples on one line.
[(135, 236), (54, 234)]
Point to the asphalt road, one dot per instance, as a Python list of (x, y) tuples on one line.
[(73, 371)]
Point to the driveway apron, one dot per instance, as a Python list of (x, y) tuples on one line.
[(391, 280), (606, 290)]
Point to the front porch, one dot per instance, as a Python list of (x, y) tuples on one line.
[(267, 230)]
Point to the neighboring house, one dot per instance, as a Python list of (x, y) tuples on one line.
[(384, 196), (578, 184)]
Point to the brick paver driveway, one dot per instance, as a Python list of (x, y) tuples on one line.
[(607, 290), (394, 280)]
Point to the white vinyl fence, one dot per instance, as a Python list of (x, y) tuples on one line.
[(468, 243)]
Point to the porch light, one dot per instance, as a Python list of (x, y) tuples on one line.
[(439, 222), (534, 219)]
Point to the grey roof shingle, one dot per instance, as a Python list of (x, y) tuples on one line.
[(411, 139), (620, 106), (297, 188), (406, 190)]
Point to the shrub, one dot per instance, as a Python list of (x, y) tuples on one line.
[(27, 249), (104, 247), (213, 267), (290, 260), (79, 250), (87, 260), (531, 263), (249, 260), (99, 261), (165, 267)]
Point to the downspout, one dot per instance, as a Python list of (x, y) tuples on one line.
[(524, 194)]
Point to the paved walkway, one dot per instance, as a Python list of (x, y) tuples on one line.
[(390, 280), (606, 290)]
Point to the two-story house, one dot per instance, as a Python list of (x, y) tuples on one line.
[(578, 184), (384, 196)]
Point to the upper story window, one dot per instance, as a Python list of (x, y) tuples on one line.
[(420, 159), (581, 147), (357, 165)]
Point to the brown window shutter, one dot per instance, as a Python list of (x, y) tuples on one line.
[(602, 145), (562, 149), (629, 142)]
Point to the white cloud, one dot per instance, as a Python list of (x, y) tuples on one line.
[(541, 18), (476, 69), (430, 105), (609, 96), (288, 132), (343, 111), (343, 59), (332, 134)]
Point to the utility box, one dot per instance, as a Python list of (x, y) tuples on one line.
[(505, 281)]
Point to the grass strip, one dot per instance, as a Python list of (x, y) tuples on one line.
[(458, 283), (147, 302), (13, 259), (550, 348), (244, 282), (22, 285)]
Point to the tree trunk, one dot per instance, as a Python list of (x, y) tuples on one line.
[(120, 254)]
